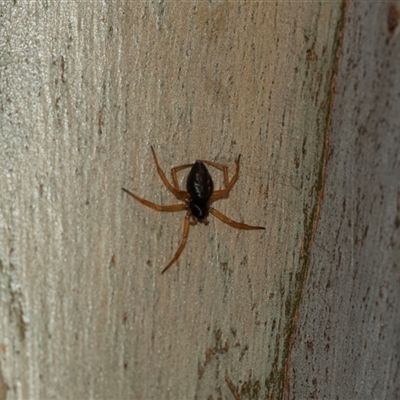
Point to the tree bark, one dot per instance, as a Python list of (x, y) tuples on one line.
[(86, 89), (348, 342)]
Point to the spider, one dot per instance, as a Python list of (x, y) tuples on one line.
[(197, 197)]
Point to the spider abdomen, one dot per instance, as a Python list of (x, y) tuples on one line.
[(200, 187)]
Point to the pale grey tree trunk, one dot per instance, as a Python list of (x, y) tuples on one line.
[(86, 88), (348, 341)]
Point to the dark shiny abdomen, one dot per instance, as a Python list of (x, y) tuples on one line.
[(200, 187)]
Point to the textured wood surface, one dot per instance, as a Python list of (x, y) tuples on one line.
[(86, 88), (348, 342)]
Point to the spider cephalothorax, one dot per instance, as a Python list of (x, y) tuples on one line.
[(197, 198)]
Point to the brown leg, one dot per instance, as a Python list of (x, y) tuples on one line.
[(232, 223), (174, 207), (183, 243), (221, 167), (179, 194), (175, 170), (219, 194)]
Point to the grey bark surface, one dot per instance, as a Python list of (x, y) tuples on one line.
[(348, 341), (85, 89)]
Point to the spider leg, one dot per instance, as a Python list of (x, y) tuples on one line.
[(232, 223), (175, 170), (183, 243), (179, 194), (174, 207), (221, 167), (219, 194)]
